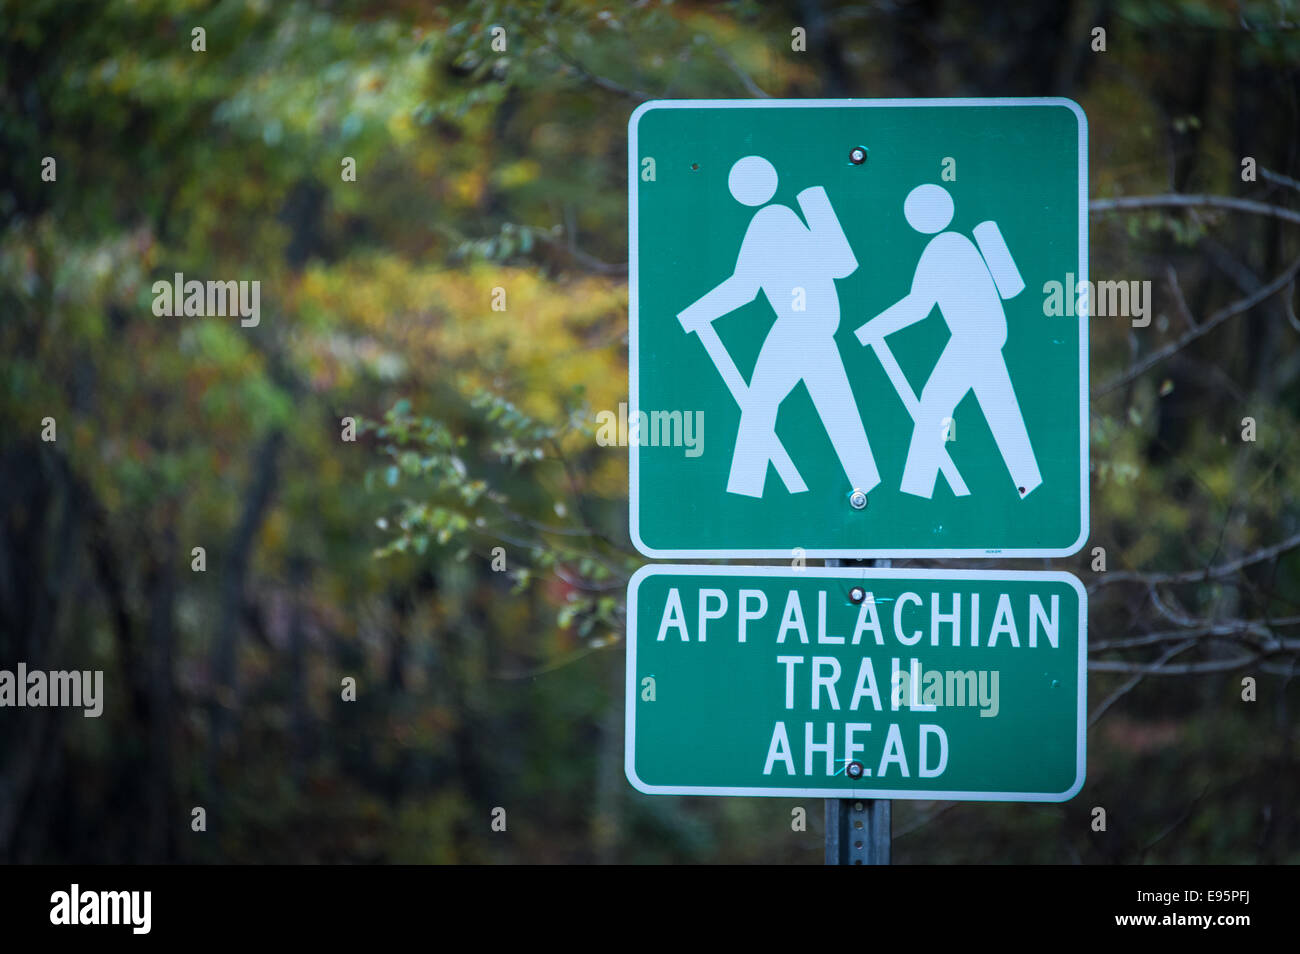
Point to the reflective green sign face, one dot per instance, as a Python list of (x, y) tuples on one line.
[(855, 330), (846, 682)]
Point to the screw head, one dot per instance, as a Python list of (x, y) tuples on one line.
[(858, 500), (857, 594), (853, 770), (858, 155)]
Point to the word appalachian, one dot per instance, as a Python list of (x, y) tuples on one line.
[(753, 608)]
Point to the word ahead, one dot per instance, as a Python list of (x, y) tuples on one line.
[(851, 682)]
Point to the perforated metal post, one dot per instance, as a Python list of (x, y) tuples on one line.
[(859, 831)]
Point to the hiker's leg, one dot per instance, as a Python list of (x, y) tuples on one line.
[(833, 398), (947, 385), (998, 401), (771, 382)]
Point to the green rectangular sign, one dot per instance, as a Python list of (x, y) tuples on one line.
[(844, 337), (931, 684)]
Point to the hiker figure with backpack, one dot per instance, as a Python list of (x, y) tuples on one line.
[(795, 263), (967, 281)]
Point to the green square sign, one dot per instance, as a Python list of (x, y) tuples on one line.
[(856, 683), (840, 339)]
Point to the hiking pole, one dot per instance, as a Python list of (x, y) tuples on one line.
[(774, 449)]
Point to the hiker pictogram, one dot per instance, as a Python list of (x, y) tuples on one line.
[(967, 283), (795, 265)]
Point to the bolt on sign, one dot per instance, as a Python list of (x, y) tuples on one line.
[(845, 298), (850, 682)]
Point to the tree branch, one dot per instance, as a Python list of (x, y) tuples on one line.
[(1179, 301), (1139, 368), (1225, 630), (745, 79), (1198, 576), (1278, 179), (1185, 669), (1174, 200), (608, 85), (1139, 675)]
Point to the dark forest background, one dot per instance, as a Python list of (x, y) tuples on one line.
[(481, 168)]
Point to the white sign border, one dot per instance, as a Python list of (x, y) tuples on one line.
[(634, 473), (854, 573)]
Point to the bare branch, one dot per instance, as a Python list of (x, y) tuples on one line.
[(1184, 669), (1179, 301), (591, 586), (1137, 678), (1219, 317), (1174, 200), (609, 85), (1225, 630), (584, 259), (1171, 613), (1279, 179), (1197, 576), (555, 664), (1174, 825), (748, 82), (578, 255)]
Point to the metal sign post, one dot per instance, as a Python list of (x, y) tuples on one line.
[(859, 831)]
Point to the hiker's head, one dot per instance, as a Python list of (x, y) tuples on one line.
[(752, 180), (928, 208)]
